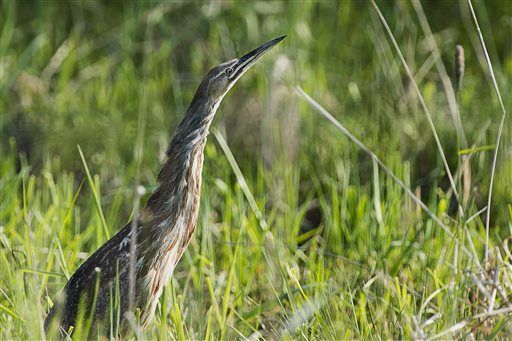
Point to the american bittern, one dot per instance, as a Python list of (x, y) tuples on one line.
[(163, 228)]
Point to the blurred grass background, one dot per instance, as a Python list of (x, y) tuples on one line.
[(348, 254)]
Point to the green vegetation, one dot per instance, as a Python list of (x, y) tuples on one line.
[(339, 250)]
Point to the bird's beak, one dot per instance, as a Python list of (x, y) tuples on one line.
[(244, 63)]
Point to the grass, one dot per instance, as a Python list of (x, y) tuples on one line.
[(301, 233)]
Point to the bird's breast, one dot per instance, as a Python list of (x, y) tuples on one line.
[(176, 229)]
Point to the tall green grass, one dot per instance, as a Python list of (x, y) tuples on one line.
[(114, 79)]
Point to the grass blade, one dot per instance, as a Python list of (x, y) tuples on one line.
[(95, 194), (388, 171)]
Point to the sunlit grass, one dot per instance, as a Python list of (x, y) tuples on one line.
[(376, 266)]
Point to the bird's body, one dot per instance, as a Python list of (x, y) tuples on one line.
[(100, 288)]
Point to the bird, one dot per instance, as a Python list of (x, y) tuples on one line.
[(130, 270)]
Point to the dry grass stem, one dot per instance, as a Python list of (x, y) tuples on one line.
[(423, 104), (388, 171), (500, 129)]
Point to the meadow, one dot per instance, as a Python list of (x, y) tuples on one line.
[(390, 219)]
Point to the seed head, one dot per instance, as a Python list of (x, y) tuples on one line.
[(459, 66)]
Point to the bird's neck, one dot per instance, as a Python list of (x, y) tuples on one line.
[(180, 175)]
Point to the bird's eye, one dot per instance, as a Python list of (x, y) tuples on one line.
[(229, 71)]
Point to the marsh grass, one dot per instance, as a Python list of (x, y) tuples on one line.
[(393, 254)]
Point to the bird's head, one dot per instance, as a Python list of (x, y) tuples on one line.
[(221, 78), (212, 90)]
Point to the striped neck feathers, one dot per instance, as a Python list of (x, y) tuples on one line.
[(181, 171)]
